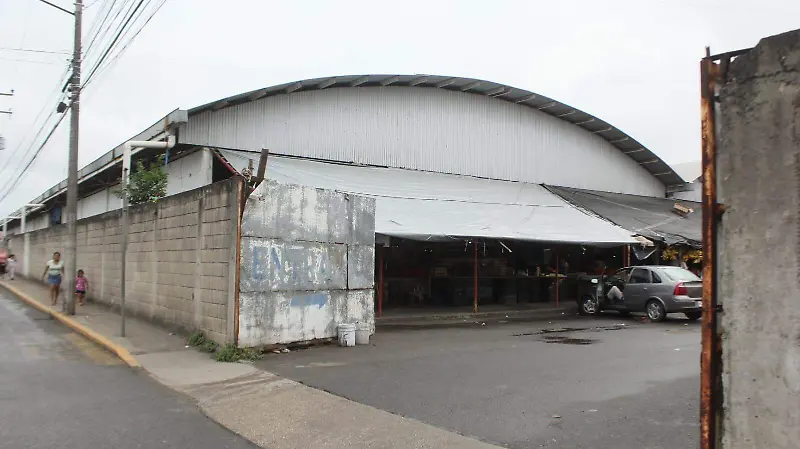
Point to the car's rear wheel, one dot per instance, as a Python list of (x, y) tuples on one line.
[(655, 311), (693, 316), (589, 305)]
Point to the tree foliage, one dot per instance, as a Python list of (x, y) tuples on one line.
[(146, 184)]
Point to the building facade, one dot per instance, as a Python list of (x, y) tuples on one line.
[(447, 159)]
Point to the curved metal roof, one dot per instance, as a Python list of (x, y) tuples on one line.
[(616, 137)]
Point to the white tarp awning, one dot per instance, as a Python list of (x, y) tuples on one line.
[(434, 206)]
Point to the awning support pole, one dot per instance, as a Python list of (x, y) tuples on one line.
[(558, 278), (380, 281), (475, 278)]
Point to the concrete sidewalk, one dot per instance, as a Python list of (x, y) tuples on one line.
[(270, 411)]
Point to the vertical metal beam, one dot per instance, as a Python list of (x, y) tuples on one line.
[(26, 243), (475, 278), (380, 281), (710, 357), (124, 250), (241, 186)]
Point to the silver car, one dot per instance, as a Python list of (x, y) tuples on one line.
[(655, 290)]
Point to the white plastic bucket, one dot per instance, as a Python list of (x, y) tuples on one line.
[(362, 334), (347, 334)]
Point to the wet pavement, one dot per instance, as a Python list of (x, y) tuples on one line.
[(60, 390), (597, 383)]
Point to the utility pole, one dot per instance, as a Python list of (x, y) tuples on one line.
[(71, 259), (71, 247)]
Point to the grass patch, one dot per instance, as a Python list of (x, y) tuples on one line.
[(230, 353), (196, 339), (208, 346)]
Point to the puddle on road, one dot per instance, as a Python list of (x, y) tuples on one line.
[(563, 330), (568, 340)]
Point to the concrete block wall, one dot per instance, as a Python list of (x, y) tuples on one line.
[(307, 264), (758, 172), (180, 263)]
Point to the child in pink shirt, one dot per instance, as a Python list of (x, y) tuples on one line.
[(81, 285)]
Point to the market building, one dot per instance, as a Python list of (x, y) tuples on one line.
[(485, 193)]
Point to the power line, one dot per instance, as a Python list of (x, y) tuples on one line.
[(29, 50), (97, 26), (124, 29), (17, 179), (102, 32), (114, 41), (58, 7), (29, 61), (128, 43), (53, 98), (13, 181)]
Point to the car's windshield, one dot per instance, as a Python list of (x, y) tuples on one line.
[(679, 274)]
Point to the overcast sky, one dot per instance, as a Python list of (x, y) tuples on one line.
[(632, 63)]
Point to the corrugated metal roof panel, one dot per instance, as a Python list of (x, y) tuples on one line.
[(470, 85), (646, 216), (426, 129), (425, 206)]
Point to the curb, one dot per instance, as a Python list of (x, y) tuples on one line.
[(112, 347)]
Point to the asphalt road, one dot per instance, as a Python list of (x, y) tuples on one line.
[(59, 390), (595, 385)]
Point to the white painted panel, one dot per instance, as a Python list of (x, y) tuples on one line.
[(37, 222), (425, 129), (189, 172), (94, 204)]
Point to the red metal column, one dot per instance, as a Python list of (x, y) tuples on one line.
[(380, 281), (475, 279), (710, 394)]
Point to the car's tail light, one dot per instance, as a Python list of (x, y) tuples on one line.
[(680, 290)]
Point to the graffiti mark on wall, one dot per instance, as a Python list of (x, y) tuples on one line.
[(298, 267), (317, 300), (259, 265)]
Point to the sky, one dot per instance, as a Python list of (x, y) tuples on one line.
[(632, 63)]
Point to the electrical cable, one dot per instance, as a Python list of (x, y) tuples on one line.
[(99, 30), (54, 97), (123, 30), (15, 153), (30, 50), (127, 44), (17, 179), (114, 41)]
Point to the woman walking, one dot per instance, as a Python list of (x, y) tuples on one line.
[(11, 267), (54, 271)]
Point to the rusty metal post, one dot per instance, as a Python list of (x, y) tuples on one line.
[(262, 165), (710, 358), (380, 281), (475, 278)]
